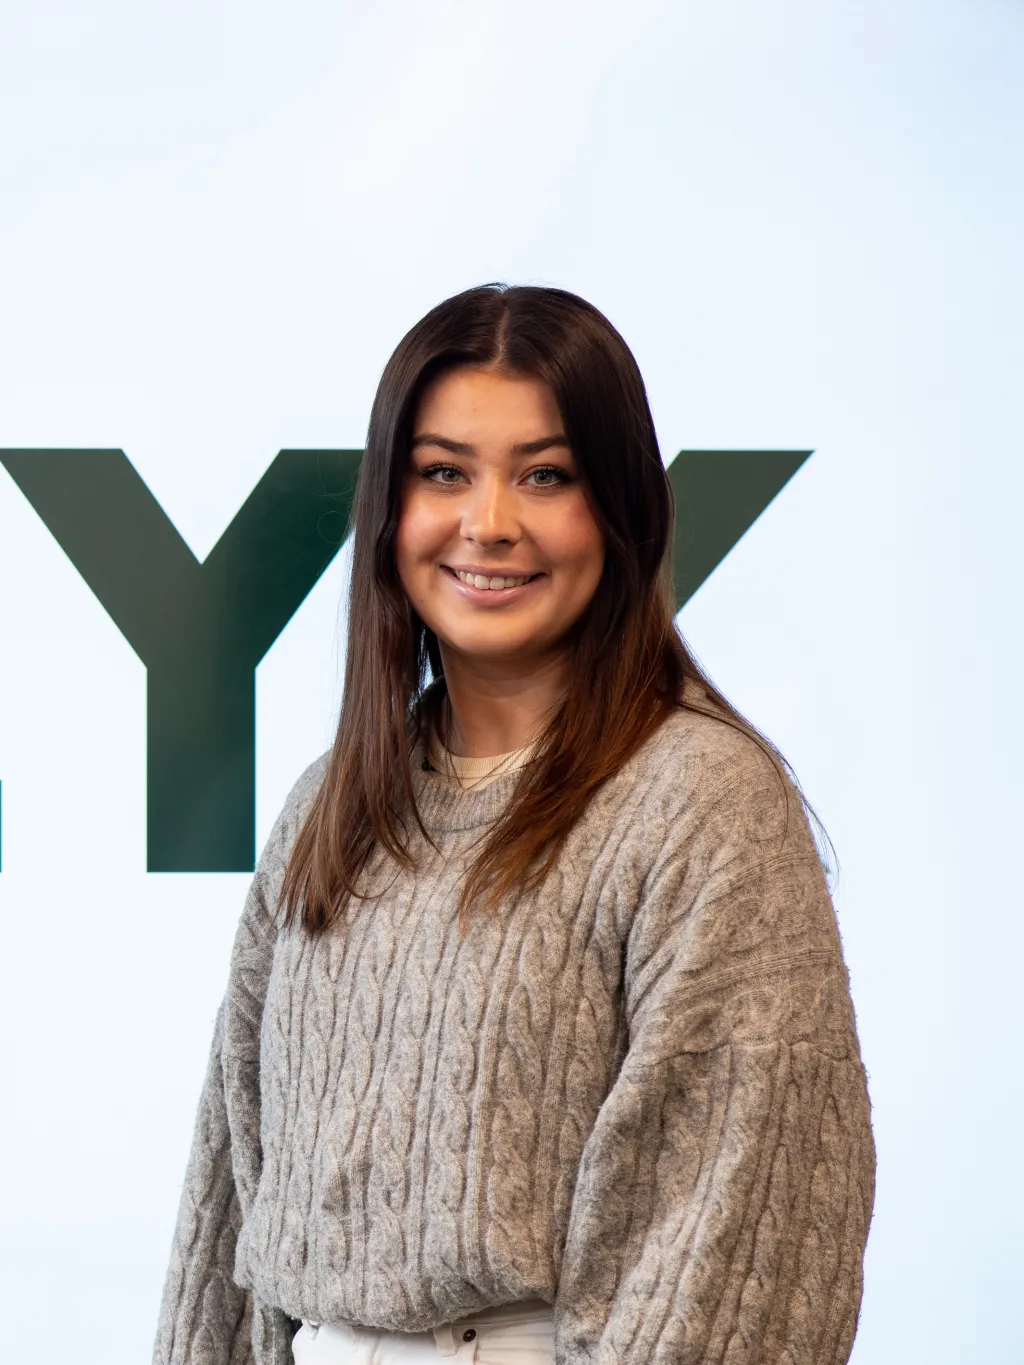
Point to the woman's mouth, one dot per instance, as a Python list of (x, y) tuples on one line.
[(490, 582)]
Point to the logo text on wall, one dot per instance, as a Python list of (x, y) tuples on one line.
[(201, 629)]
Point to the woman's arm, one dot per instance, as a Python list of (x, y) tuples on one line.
[(204, 1315), (723, 1197)]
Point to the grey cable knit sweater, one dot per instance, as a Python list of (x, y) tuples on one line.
[(636, 1094)]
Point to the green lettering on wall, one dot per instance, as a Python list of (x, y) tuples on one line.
[(201, 629), (719, 495)]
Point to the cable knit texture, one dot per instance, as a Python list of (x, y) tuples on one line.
[(636, 1094)]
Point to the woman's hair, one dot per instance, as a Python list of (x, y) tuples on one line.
[(627, 663)]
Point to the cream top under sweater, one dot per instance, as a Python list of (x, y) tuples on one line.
[(635, 1094), (468, 773)]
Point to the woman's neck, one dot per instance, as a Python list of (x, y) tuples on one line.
[(492, 709)]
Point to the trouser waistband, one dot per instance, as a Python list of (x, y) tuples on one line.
[(458, 1339)]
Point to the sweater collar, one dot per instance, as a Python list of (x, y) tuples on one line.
[(444, 806)]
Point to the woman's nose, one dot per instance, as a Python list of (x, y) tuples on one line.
[(489, 515)]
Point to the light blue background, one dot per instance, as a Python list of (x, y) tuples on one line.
[(216, 221)]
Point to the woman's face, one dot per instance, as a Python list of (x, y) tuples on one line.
[(498, 549)]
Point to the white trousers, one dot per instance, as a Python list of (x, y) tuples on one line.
[(512, 1334)]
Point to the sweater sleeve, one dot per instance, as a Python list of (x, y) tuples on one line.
[(205, 1317), (723, 1197)]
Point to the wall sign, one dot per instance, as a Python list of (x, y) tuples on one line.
[(202, 628)]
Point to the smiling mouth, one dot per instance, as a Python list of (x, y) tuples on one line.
[(493, 582)]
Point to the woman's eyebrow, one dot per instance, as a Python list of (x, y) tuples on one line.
[(430, 438)]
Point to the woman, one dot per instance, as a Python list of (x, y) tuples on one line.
[(537, 1042)]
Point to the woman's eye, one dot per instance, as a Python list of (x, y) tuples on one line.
[(548, 477), (443, 473)]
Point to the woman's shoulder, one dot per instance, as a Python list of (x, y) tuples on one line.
[(292, 814), (701, 776), (306, 786), (697, 747)]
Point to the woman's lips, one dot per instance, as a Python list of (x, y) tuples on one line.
[(498, 587), (494, 582)]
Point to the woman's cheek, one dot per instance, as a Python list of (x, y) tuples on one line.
[(573, 536)]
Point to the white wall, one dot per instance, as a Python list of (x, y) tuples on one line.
[(216, 220)]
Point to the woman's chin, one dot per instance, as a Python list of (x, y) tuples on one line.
[(488, 648)]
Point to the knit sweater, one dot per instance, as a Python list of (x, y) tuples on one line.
[(636, 1093)]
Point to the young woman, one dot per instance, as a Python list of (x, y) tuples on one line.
[(537, 1043)]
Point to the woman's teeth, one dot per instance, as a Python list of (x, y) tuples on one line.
[(477, 580)]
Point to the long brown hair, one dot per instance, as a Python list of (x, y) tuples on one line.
[(627, 663)]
